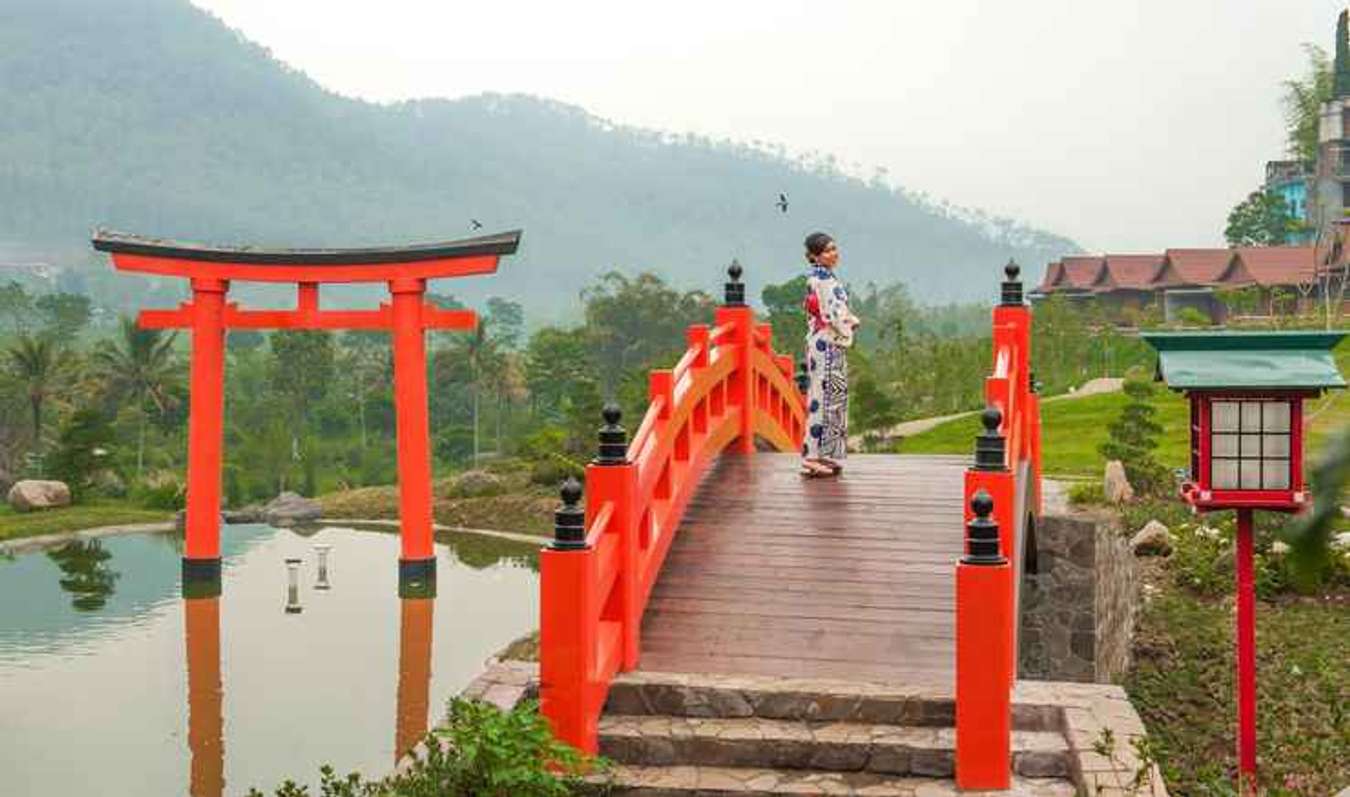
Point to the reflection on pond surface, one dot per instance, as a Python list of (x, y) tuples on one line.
[(270, 695), (84, 563)]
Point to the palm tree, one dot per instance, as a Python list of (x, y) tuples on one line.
[(37, 363), (140, 366)]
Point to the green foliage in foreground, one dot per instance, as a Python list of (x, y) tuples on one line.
[(1182, 685), (1134, 436), (481, 751), (14, 525)]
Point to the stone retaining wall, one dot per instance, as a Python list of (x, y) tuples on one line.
[(1078, 609)]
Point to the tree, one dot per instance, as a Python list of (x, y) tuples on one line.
[(81, 448), (64, 315), (38, 364), (786, 314), (16, 306), (1134, 435), (1303, 100), (1262, 219), (302, 368), (141, 367), (634, 322), (1342, 66)]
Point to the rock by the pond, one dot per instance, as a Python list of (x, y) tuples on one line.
[(253, 513), (1115, 486), (30, 494), (476, 483), (1152, 540), (289, 509)]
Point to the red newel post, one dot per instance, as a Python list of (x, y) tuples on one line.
[(568, 626), (611, 478), (742, 384), (205, 428), (984, 655), (413, 429)]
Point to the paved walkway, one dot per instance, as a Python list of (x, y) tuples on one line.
[(773, 574)]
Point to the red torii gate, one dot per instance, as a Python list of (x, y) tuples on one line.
[(406, 317)]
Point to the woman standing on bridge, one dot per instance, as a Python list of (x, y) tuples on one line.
[(829, 332)]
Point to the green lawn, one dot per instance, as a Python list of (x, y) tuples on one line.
[(1072, 429), (14, 525)]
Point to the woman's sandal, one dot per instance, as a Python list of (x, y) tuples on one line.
[(836, 467), (812, 470)]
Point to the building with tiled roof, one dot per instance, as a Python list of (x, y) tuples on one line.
[(1281, 279)]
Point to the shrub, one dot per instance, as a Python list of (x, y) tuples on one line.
[(166, 495), (481, 751), (81, 451), (553, 471), (1084, 493), (1134, 435)]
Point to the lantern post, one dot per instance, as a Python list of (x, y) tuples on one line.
[(1246, 391)]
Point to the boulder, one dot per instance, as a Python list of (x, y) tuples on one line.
[(253, 513), (476, 483), (289, 509), (30, 494), (1152, 540), (1115, 486)]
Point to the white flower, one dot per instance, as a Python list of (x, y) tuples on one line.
[(1341, 540), (1279, 548), (1208, 532)]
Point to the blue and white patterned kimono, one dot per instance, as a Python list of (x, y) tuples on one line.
[(829, 333)]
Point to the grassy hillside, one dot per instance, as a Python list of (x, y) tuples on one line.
[(153, 116)]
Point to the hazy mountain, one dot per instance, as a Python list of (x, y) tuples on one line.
[(154, 117)]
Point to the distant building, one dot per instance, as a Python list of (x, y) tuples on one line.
[(1331, 181), (1289, 180), (1282, 280)]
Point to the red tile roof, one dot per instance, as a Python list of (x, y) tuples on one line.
[(1080, 272), (1270, 265), (1131, 272), (1193, 266), (1053, 273)]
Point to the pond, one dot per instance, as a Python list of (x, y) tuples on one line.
[(113, 683)]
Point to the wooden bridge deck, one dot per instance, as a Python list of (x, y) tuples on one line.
[(773, 574)]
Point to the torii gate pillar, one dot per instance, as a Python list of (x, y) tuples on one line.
[(406, 317)]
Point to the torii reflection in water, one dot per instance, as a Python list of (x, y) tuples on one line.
[(206, 720)]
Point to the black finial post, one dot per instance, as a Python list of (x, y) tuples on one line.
[(989, 444), (982, 533), (1012, 286), (613, 448), (735, 289), (803, 378), (569, 520)]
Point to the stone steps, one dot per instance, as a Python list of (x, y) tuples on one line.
[(692, 781), (672, 734), (703, 695), (655, 740)]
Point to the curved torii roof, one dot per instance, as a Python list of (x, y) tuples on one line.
[(458, 258)]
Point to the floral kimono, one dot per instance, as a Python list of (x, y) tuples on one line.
[(829, 332)]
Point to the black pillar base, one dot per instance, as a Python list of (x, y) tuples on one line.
[(201, 578), (417, 578)]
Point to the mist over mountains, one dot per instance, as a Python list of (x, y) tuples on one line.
[(152, 116)]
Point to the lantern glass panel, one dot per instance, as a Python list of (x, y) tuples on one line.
[(1275, 474), (1251, 416), (1276, 416), (1251, 446), (1225, 416), (1225, 445), (1275, 445), (1251, 474), (1224, 474)]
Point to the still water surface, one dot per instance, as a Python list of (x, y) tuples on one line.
[(111, 683)]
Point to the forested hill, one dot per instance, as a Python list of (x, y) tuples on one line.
[(153, 116)]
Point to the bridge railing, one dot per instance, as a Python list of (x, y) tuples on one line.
[(1002, 500), (727, 388)]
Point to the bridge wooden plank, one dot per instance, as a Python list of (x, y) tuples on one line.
[(772, 574)]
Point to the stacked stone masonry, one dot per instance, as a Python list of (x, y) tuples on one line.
[(1078, 609)]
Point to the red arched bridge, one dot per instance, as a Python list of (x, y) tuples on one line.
[(695, 553)]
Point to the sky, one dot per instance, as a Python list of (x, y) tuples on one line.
[(1127, 126)]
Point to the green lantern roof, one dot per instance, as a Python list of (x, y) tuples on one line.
[(1247, 360)]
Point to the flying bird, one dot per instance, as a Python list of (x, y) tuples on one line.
[(782, 203), (477, 225)]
